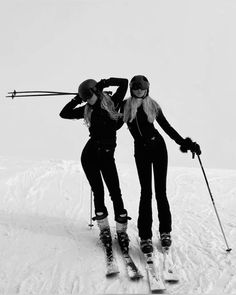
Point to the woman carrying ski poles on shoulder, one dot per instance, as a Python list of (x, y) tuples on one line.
[(139, 113), (100, 113)]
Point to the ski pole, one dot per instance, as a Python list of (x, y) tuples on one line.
[(28, 93), (91, 206), (213, 202)]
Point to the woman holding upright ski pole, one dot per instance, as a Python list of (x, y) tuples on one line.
[(139, 112), (100, 113)]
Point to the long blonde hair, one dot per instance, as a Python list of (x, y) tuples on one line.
[(106, 104), (150, 107)]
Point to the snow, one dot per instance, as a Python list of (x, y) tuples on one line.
[(47, 247)]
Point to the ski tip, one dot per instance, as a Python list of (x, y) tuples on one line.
[(111, 274), (159, 291), (137, 277), (172, 281), (170, 277)]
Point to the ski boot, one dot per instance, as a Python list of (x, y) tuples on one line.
[(146, 246), (105, 233), (165, 240), (106, 239), (121, 230)]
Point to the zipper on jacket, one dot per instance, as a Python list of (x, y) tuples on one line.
[(136, 119)]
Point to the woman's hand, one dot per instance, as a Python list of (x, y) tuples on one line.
[(189, 145)]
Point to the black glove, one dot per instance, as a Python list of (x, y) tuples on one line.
[(103, 83), (189, 145), (77, 99)]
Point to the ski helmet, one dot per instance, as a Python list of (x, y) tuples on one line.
[(139, 82), (86, 89)]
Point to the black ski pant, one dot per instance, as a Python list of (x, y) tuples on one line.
[(148, 156), (98, 163)]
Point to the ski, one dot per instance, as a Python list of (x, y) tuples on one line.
[(155, 281), (112, 269), (111, 264), (132, 270), (106, 239), (169, 272)]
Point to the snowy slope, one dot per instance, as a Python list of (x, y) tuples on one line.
[(47, 247)]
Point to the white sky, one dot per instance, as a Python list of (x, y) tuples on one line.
[(185, 48)]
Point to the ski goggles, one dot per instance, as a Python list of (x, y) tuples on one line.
[(139, 85), (139, 82), (89, 93)]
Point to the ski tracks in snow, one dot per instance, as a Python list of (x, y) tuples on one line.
[(38, 207), (197, 238), (47, 247)]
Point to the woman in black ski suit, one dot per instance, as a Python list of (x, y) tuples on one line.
[(140, 111), (100, 113)]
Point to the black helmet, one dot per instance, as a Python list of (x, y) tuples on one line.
[(139, 82), (87, 88)]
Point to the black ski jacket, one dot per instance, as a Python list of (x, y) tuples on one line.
[(102, 128), (143, 131)]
